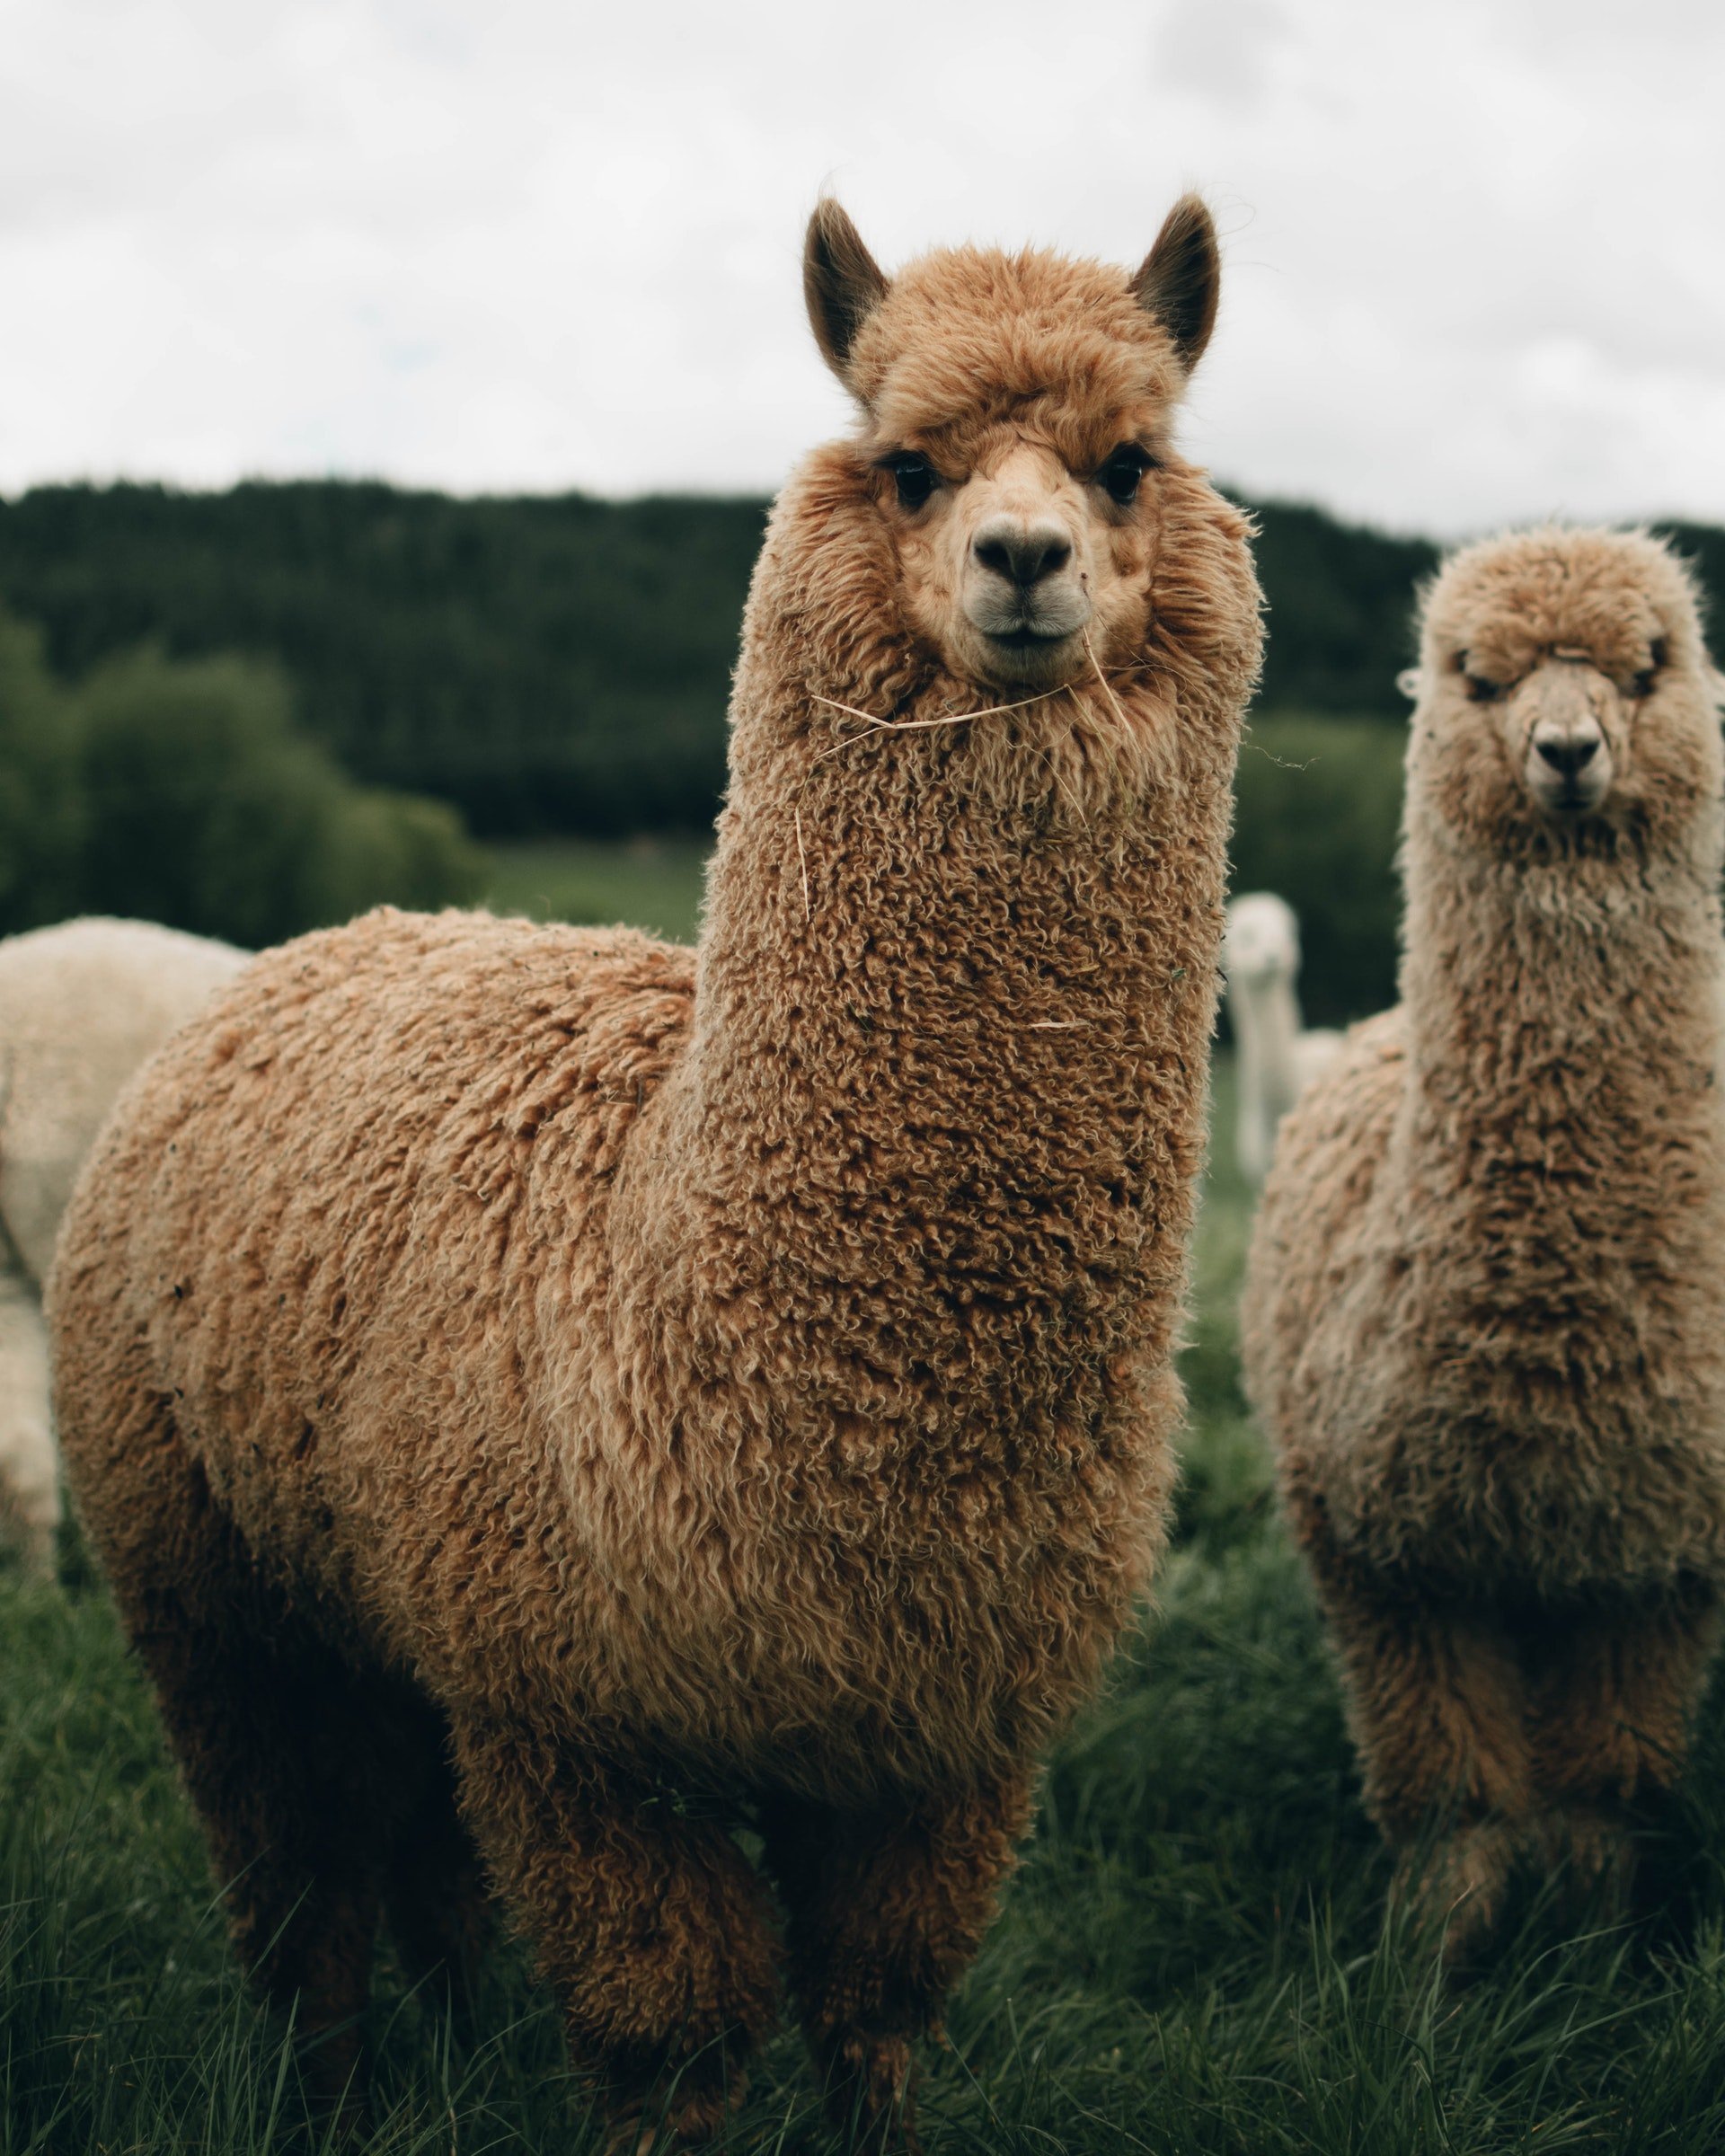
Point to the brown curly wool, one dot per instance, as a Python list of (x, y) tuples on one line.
[(679, 1388), (1484, 1321)]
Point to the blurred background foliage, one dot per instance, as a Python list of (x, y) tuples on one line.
[(1317, 807), (183, 791), (250, 712)]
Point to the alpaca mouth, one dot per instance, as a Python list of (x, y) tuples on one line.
[(1026, 638), (1570, 800)]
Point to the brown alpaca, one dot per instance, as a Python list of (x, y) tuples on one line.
[(671, 1388), (1484, 1321)]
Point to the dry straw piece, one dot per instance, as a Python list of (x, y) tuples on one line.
[(878, 726)]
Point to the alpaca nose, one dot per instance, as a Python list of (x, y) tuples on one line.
[(1023, 554), (1569, 753)]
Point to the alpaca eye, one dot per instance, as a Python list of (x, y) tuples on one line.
[(916, 478), (1658, 651), (1481, 691), (1123, 470)]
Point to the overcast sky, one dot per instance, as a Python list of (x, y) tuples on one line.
[(1474, 254)]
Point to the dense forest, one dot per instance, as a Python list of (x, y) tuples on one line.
[(546, 665), (556, 664)]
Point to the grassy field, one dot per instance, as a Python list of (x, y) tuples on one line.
[(1193, 1958), (652, 883)]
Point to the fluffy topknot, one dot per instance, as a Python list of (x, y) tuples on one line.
[(1507, 601), (965, 335)]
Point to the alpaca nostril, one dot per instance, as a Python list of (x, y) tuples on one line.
[(1568, 756), (1023, 554)]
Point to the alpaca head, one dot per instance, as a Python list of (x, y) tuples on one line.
[(1015, 433), (1261, 942), (1564, 697)]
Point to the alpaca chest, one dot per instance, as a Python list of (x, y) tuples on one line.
[(1517, 1370), (1495, 1451), (816, 1630)]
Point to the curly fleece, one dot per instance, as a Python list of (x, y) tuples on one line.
[(82, 1005), (1484, 1321), (675, 1387)]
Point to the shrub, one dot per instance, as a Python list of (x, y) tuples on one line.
[(207, 810)]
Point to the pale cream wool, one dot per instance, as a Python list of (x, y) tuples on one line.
[(1484, 1317), (82, 1006), (742, 1375), (1275, 1055)]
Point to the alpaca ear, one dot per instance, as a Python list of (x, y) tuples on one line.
[(1408, 682), (1180, 278), (842, 283)]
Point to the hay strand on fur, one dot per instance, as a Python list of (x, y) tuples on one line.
[(878, 726)]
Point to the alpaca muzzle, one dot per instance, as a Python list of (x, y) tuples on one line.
[(1022, 585), (1568, 763)]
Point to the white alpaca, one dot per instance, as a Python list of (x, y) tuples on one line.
[(82, 1006), (1277, 1060)]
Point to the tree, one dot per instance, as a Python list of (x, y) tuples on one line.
[(208, 810), (41, 819)]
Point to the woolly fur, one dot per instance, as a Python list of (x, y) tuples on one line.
[(1484, 1321), (686, 1387), (82, 1006)]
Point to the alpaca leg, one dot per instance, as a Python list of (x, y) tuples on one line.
[(885, 1910), (652, 1928), (29, 1479), (1616, 1689), (433, 1894), (273, 1750), (1438, 1712), (274, 1741)]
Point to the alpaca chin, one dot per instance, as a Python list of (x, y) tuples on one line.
[(1026, 664)]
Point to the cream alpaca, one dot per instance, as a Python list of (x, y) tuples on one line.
[(1276, 1059), (621, 1372), (82, 1006), (1485, 1317)]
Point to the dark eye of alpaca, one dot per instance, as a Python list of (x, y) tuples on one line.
[(917, 477), (1481, 691), (1657, 653), (1123, 470)]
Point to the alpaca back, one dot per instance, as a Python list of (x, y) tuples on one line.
[(373, 1225), (82, 1006), (1311, 1227), (331, 1212)]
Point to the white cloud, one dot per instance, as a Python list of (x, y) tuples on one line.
[(1471, 256)]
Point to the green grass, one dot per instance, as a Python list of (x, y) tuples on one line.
[(651, 883), (1194, 1956)]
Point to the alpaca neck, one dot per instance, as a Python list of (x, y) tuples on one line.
[(944, 1108), (1563, 1017), (1265, 1017), (928, 1160)]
